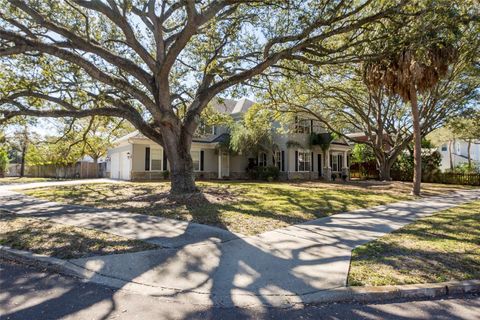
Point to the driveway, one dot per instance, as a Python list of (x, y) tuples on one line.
[(210, 266)]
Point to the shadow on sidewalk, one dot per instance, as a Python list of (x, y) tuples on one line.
[(260, 268)]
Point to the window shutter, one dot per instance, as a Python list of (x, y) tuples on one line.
[(283, 160), (202, 157), (340, 162), (311, 164), (319, 160), (331, 160), (147, 159), (164, 160), (215, 130), (296, 160), (311, 130)]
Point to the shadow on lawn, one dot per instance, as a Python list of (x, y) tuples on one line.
[(238, 265), (266, 204)]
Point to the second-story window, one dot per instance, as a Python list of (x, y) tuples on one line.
[(205, 130), (303, 125)]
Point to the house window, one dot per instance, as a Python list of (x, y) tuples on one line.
[(205, 130), (444, 147), (303, 125), (262, 159), (337, 161), (304, 160), (196, 160), (278, 160), (156, 156)]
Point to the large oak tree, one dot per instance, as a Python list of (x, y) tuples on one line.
[(159, 63), (367, 97)]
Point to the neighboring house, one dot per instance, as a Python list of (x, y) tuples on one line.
[(135, 157), (455, 152)]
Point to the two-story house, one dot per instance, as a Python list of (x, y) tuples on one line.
[(135, 157)]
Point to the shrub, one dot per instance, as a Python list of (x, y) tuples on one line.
[(166, 174), (268, 173), (334, 176), (463, 168), (403, 166), (3, 161)]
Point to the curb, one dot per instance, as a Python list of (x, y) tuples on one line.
[(37, 260), (336, 295)]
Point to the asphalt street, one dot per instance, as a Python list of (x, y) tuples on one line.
[(30, 293)]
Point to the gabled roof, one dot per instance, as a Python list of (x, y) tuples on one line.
[(242, 106), (138, 135), (132, 135), (223, 105)]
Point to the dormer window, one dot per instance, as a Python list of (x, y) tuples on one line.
[(303, 125), (205, 130)]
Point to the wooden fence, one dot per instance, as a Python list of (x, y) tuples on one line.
[(81, 170), (472, 179), (364, 171)]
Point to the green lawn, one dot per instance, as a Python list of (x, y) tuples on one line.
[(61, 241), (18, 180), (244, 207), (442, 247)]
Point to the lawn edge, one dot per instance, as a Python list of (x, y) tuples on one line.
[(342, 294)]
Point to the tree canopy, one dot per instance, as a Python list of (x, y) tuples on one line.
[(158, 63)]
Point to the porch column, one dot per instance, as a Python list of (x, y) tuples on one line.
[(219, 165), (345, 169), (327, 170)]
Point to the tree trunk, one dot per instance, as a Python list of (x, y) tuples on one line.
[(385, 169), (417, 139), (177, 147), (22, 161), (95, 161)]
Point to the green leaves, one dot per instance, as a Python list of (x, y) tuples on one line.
[(255, 132)]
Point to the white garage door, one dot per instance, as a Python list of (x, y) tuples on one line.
[(115, 166)]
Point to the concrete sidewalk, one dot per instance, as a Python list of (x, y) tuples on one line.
[(213, 266)]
